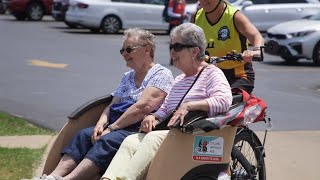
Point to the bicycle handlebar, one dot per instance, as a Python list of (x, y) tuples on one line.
[(233, 56)]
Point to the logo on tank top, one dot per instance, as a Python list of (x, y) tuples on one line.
[(223, 33)]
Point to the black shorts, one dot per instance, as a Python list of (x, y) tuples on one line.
[(242, 83)]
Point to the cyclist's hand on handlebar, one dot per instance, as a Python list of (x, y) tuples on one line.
[(247, 55)]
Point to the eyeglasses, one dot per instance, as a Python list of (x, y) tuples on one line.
[(177, 47), (130, 49)]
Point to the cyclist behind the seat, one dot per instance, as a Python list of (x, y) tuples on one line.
[(227, 29)]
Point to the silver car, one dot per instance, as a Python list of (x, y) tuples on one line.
[(298, 39), (267, 13)]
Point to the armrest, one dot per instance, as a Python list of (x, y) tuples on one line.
[(196, 120)]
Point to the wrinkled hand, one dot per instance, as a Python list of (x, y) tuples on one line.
[(179, 115), (97, 133), (248, 54), (148, 123)]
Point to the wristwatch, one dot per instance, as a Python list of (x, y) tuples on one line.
[(111, 128), (257, 48)]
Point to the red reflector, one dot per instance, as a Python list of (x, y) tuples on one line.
[(82, 5)]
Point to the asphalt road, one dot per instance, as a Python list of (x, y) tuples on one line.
[(48, 70)]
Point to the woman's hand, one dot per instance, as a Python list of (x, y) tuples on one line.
[(106, 131), (148, 123), (97, 132), (248, 54), (179, 115)]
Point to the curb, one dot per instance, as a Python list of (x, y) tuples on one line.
[(39, 170)]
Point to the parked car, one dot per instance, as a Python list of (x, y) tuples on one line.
[(33, 10), (59, 9), (267, 13), (2, 7), (298, 39), (110, 16)]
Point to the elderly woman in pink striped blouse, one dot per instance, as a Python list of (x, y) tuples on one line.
[(211, 92)]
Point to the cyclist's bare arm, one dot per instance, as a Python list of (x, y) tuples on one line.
[(245, 27)]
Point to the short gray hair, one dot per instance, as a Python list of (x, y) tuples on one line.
[(191, 34), (144, 36)]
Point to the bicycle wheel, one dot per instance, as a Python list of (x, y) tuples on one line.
[(250, 146)]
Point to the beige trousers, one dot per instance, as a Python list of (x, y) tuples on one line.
[(134, 156)]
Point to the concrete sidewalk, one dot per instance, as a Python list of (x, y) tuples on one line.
[(290, 155), (32, 142)]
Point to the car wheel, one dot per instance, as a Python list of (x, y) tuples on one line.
[(111, 24), (290, 60), (20, 16), (35, 11), (316, 54)]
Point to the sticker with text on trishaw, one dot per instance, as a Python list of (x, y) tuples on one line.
[(207, 148)]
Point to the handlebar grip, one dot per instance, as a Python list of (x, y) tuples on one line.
[(257, 58)]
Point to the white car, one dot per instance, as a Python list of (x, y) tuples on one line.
[(110, 16), (267, 13), (297, 39)]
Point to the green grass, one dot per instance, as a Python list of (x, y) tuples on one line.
[(18, 163), (15, 126)]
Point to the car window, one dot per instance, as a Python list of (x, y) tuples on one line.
[(315, 17), (232, 1), (130, 1), (277, 1), (287, 1), (260, 1), (153, 2)]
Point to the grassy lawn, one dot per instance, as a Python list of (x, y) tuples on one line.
[(15, 126), (18, 163)]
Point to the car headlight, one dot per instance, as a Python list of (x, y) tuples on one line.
[(300, 34)]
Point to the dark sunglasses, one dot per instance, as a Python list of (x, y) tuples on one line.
[(130, 49), (177, 47)]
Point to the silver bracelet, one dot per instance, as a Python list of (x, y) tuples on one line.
[(111, 128)]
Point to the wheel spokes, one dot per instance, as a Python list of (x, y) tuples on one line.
[(249, 153), (111, 25), (36, 12)]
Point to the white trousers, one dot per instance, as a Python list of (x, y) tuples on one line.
[(134, 156)]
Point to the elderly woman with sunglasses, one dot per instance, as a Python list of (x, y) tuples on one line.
[(145, 86), (211, 92)]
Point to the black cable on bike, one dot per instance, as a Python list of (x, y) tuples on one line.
[(236, 153)]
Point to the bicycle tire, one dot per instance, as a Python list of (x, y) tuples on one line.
[(250, 146)]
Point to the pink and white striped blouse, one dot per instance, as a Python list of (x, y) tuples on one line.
[(212, 86)]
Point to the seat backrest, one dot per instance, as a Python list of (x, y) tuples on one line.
[(85, 116)]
